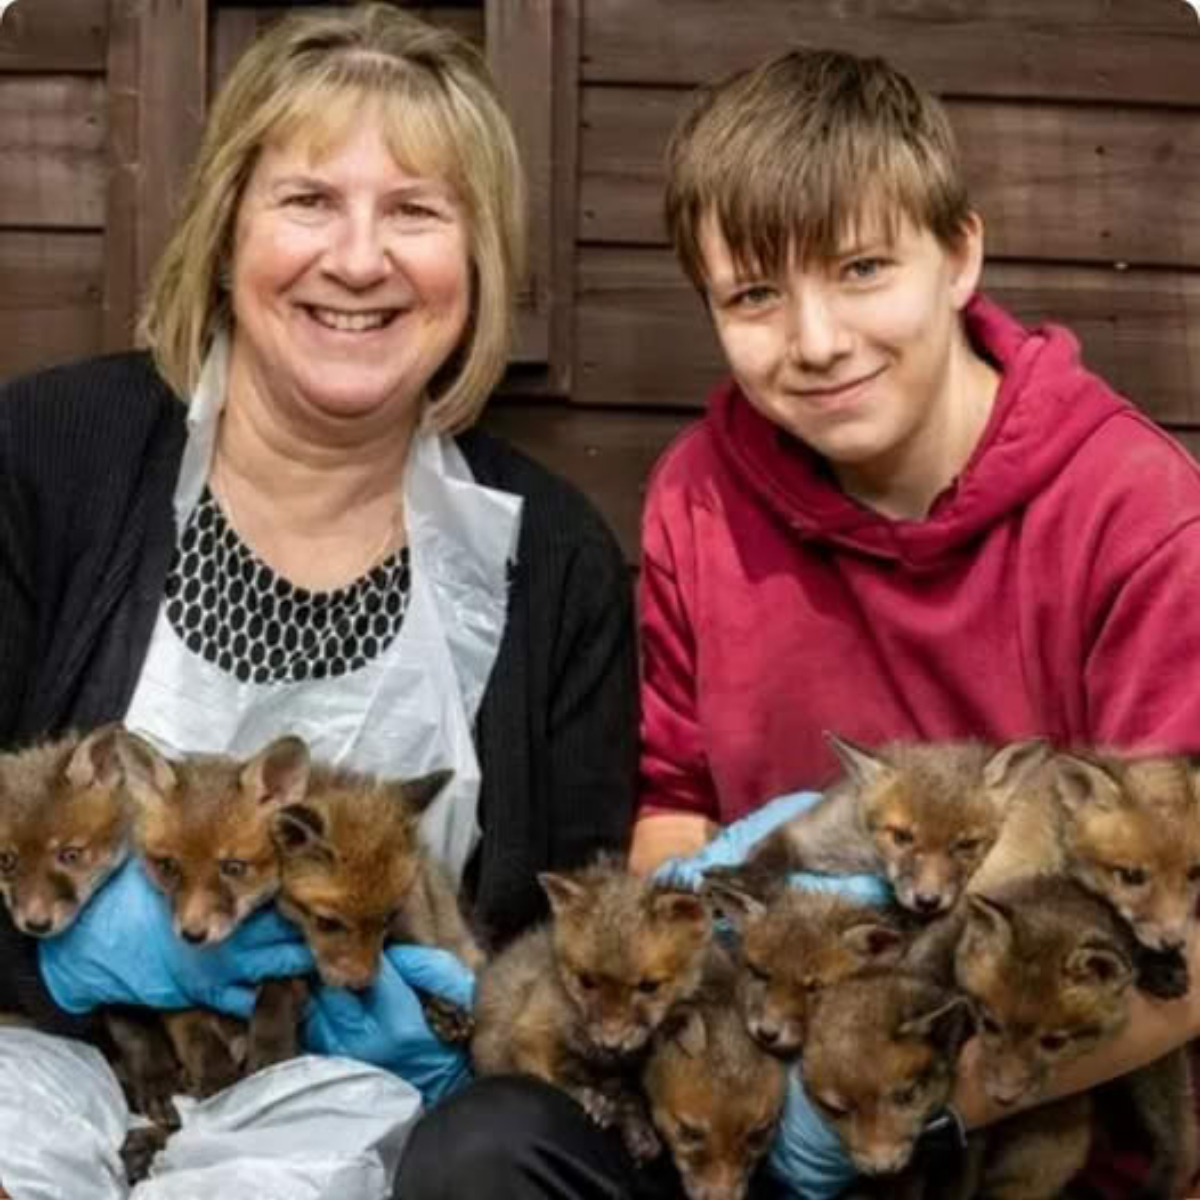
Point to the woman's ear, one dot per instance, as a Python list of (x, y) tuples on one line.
[(965, 260)]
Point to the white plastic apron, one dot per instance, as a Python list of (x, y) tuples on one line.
[(408, 711)]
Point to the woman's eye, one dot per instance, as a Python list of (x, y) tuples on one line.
[(305, 200)]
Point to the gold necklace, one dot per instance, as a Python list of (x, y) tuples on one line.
[(221, 489)]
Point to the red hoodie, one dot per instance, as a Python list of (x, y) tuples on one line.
[(1054, 588)]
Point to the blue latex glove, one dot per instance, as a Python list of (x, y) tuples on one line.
[(122, 950), (384, 1025), (807, 1156), (733, 844)]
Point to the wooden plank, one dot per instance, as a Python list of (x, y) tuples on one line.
[(645, 340), (233, 27), (50, 302), (607, 455), (1091, 184), (1131, 50), (122, 273), (63, 35), (52, 140)]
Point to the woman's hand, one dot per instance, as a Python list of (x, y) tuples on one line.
[(807, 1156), (122, 949), (733, 845), (384, 1025)]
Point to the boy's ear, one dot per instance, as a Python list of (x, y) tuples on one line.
[(966, 260)]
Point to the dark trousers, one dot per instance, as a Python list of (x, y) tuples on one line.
[(509, 1137)]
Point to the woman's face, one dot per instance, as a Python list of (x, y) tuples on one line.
[(351, 280)]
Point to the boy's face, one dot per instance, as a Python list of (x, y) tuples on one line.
[(861, 357)]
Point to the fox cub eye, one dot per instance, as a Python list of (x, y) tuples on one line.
[(968, 845), (8, 861), (689, 1134), (233, 868), (901, 837), (902, 1097), (329, 925), (649, 986), (1130, 876), (70, 856), (586, 981), (1194, 874), (1054, 1042), (166, 866)]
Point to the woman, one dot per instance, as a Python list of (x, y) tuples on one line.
[(277, 519)]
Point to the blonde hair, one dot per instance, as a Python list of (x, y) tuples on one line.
[(791, 157), (306, 77)]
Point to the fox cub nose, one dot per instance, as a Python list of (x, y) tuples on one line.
[(927, 902), (38, 928)]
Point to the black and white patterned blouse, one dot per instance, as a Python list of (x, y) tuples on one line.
[(228, 606)]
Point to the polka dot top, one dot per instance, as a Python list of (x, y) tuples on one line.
[(227, 606)]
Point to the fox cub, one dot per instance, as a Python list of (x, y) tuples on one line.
[(576, 1001), (1128, 830), (922, 814), (793, 945), (1049, 969), (715, 1096)]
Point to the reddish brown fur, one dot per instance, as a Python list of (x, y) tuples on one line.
[(355, 874), (64, 827), (204, 830), (794, 945), (880, 1060), (714, 1096)]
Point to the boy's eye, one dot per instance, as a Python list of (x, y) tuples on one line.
[(329, 925), (1130, 876), (166, 866), (233, 868), (755, 296), (864, 268), (69, 856)]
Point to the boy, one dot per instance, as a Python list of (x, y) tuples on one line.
[(905, 516)]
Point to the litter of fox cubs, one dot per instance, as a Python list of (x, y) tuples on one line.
[(1035, 891)]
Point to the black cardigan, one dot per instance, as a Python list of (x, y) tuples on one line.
[(89, 455)]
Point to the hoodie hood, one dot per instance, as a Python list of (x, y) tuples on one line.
[(1038, 421)]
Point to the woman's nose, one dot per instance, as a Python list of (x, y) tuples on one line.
[(358, 256)]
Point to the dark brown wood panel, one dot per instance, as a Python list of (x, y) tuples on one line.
[(644, 339), (50, 302), (52, 136), (54, 35), (608, 455), (1068, 182), (1112, 50)]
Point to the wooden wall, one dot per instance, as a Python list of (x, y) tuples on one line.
[(1080, 121)]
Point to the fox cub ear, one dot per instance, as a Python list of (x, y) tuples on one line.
[(278, 773), (1012, 765), (1085, 786), (298, 830), (95, 761), (149, 777), (865, 768), (421, 792)]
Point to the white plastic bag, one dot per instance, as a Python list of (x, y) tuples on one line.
[(307, 1129)]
